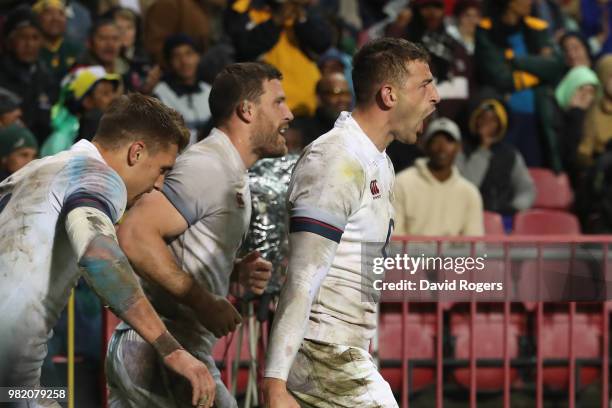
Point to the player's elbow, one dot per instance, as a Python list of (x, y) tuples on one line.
[(129, 239)]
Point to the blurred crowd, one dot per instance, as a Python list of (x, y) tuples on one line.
[(523, 84)]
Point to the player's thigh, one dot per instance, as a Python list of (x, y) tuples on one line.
[(133, 373), (332, 375)]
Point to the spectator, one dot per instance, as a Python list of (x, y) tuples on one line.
[(467, 15), (598, 122), (496, 168), (22, 72), (10, 108), (181, 89), (574, 96), (283, 34), (18, 147), (576, 50), (196, 18), (143, 76), (432, 198), (333, 97), (450, 63), (514, 56), (88, 93), (334, 60), (104, 48), (58, 53)]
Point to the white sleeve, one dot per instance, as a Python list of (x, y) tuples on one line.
[(325, 190), (310, 259)]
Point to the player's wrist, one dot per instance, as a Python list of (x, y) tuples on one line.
[(272, 385), (165, 344)]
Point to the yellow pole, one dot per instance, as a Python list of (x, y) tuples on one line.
[(71, 350)]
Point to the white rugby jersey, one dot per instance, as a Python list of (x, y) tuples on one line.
[(209, 186), (341, 189), (38, 265)]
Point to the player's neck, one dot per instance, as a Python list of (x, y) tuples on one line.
[(375, 125), (242, 142)]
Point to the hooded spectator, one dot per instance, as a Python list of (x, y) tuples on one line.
[(598, 122), (496, 168), (432, 198), (574, 95)]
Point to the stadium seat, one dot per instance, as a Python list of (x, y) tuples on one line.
[(553, 191), (488, 330), (493, 223), (421, 328), (545, 222), (555, 345)]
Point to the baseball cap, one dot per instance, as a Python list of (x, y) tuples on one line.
[(8, 101), (84, 79), (443, 125), (13, 137), (18, 18)]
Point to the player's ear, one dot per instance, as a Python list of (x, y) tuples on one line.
[(388, 96), (245, 111), (136, 152)]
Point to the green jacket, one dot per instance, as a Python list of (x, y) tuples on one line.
[(498, 68), (61, 58)]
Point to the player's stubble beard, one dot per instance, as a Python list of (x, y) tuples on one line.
[(267, 140)]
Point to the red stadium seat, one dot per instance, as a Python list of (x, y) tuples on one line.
[(493, 223), (555, 345), (553, 191), (545, 222), (421, 328), (488, 330)]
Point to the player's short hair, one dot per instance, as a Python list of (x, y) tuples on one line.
[(139, 117), (383, 60), (236, 83)]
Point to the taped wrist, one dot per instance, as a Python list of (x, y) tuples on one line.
[(165, 344)]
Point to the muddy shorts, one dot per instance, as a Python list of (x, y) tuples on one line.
[(137, 377), (331, 375)]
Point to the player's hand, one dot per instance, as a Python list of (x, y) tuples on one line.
[(276, 394), (202, 384), (254, 272), (219, 316)]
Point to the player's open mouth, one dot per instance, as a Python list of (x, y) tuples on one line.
[(282, 130)]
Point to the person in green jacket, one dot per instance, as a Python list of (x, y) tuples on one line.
[(85, 96), (58, 53), (514, 55)]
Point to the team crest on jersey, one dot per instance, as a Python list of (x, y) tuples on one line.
[(374, 189), (239, 200)]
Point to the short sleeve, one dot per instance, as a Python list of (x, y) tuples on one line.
[(193, 185), (92, 183), (326, 189)]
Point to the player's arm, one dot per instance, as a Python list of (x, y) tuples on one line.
[(108, 272), (309, 262), (143, 235), (326, 189)]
